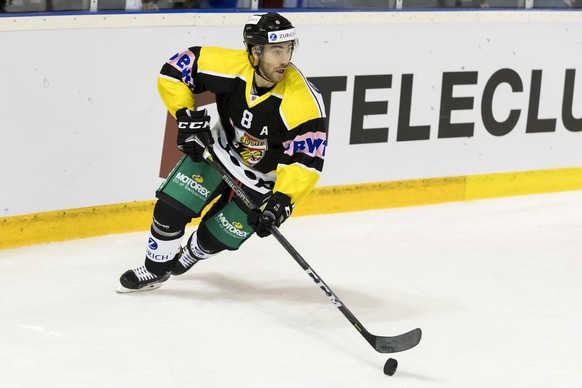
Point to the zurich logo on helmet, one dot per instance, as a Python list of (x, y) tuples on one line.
[(152, 244), (273, 37)]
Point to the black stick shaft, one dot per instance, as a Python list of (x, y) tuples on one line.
[(322, 284), (381, 344)]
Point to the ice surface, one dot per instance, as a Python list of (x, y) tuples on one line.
[(495, 285)]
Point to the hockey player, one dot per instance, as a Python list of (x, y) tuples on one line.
[(271, 136)]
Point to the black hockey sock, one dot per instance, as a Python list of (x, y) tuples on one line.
[(165, 237)]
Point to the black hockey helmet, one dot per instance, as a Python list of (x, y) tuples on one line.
[(262, 29)]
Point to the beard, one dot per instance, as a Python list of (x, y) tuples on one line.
[(274, 75)]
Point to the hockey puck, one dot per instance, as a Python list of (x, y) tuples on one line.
[(390, 367)]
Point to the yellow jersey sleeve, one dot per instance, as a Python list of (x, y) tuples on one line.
[(175, 94), (295, 181)]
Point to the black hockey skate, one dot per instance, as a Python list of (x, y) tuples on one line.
[(183, 261), (140, 279)]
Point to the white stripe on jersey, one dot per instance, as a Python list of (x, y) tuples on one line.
[(314, 92)]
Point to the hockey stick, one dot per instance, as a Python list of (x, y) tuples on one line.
[(381, 344)]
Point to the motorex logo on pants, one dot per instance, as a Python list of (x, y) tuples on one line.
[(230, 226), (191, 184)]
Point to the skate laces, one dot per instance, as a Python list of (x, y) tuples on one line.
[(143, 274), (186, 260)]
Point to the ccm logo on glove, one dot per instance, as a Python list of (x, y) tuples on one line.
[(193, 132), (193, 124)]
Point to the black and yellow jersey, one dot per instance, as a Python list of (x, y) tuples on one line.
[(274, 141)]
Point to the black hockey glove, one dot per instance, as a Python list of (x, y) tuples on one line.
[(277, 210), (193, 132)]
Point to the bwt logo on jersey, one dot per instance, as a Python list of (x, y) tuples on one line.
[(282, 36), (314, 147), (183, 63)]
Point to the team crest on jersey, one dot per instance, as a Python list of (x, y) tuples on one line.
[(250, 148)]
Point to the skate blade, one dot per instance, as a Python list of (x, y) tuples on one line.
[(123, 290)]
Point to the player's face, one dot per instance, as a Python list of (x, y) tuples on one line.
[(274, 60)]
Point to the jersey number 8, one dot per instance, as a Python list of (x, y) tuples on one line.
[(246, 119)]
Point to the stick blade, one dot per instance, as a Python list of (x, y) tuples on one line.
[(398, 343)]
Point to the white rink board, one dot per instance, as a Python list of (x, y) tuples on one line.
[(82, 125)]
